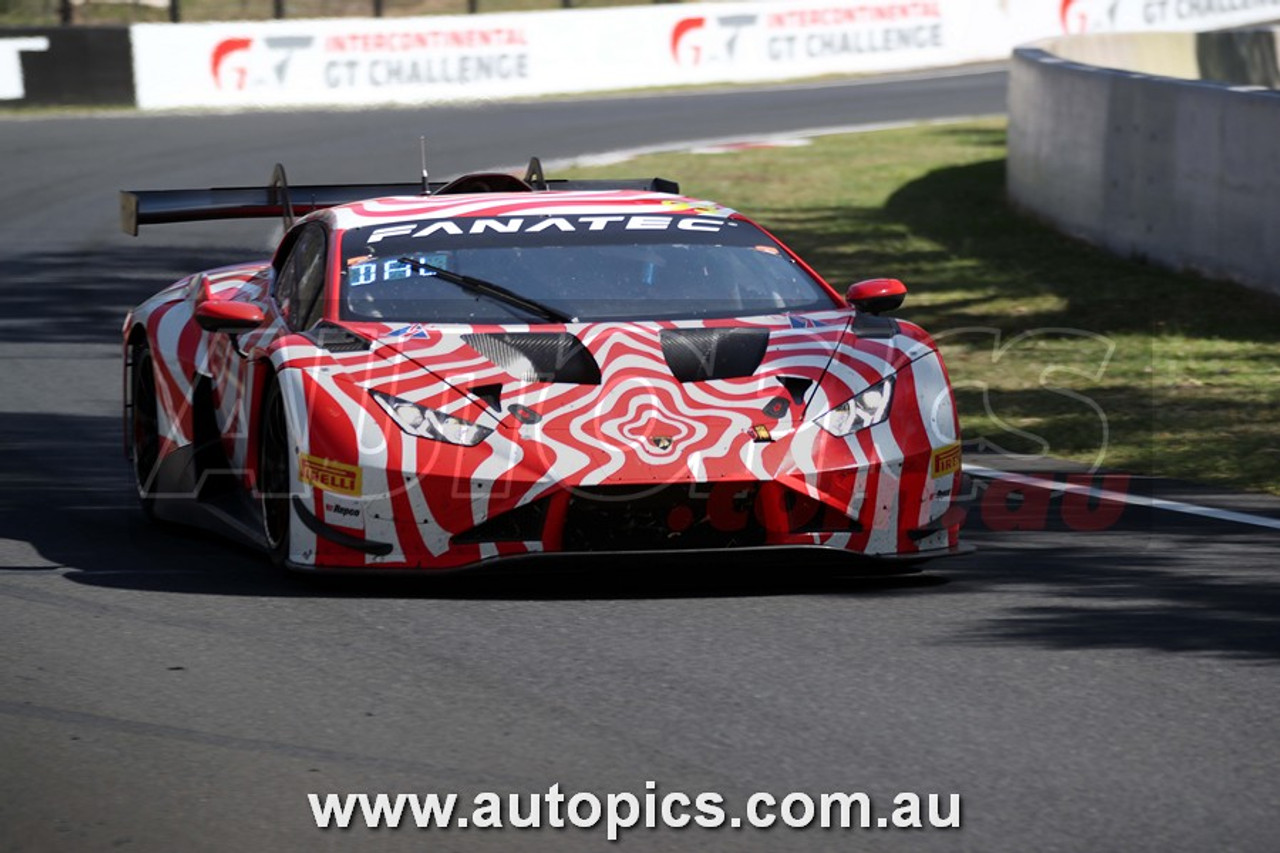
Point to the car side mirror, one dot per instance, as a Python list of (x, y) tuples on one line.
[(876, 295), (228, 316)]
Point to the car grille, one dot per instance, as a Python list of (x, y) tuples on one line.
[(522, 524), (627, 518)]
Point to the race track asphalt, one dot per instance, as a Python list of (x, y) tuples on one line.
[(1112, 689)]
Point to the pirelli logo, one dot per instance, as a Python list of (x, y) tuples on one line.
[(946, 460), (328, 475)]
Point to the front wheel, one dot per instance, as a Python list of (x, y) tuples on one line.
[(274, 482), (144, 426)]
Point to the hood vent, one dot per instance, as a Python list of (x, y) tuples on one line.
[(796, 386), (538, 356), (696, 355)]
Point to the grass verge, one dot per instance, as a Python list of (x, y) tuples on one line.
[(1054, 347)]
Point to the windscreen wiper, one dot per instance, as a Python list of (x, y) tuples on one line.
[(495, 291)]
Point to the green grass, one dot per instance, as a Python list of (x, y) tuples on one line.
[(1054, 347)]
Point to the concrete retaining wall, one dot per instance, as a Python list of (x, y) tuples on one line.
[(1185, 173)]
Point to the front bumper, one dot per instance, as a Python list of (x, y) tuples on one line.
[(434, 521)]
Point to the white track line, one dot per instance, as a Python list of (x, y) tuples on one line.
[(1120, 497), (609, 158)]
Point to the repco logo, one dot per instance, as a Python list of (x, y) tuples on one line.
[(242, 63), (341, 511)]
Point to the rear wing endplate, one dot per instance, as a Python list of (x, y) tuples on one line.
[(160, 207)]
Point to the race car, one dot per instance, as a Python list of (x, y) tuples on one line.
[(437, 376)]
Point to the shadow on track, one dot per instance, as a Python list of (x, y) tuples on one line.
[(82, 297), (1213, 594), (67, 491), (1160, 584)]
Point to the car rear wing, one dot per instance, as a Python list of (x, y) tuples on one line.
[(278, 199)]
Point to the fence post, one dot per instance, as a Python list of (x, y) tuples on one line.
[(277, 8), (175, 14)]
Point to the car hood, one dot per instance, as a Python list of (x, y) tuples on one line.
[(660, 377)]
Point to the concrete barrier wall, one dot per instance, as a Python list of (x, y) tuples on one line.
[(1184, 173)]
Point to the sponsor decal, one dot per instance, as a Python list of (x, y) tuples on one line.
[(1092, 16), (380, 60), (708, 208), (343, 512), (1082, 16), (413, 330), (479, 226), (695, 42), (329, 475), (945, 461), (241, 63), (809, 34)]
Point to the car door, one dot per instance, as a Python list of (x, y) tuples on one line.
[(295, 299)]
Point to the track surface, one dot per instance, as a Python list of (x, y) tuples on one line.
[(161, 691)]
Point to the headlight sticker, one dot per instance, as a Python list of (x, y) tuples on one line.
[(864, 410)]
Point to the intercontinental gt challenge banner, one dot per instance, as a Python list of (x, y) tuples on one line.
[(423, 60), (360, 62)]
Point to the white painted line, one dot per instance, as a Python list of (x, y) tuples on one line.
[(609, 158), (1120, 497)]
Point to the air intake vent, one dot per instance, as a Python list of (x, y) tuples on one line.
[(538, 356), (696, 355), (337, 339)]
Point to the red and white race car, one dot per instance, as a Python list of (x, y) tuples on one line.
[(436, 376)]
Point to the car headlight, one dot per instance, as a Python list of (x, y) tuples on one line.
[(865, 409), (429, 423)]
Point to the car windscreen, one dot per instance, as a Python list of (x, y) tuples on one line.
[(591, 267)]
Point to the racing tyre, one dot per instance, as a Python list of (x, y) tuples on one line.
[(274, 486), (144, 427)]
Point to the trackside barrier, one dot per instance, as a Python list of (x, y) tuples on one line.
[(65, 65), (430, 60), (358, 62), (1182, 172), (362, 62)]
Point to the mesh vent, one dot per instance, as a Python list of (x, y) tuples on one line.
[(337, 339)]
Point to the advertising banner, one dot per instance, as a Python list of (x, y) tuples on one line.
[(1048, 18), (423, 60), (365, 62)]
